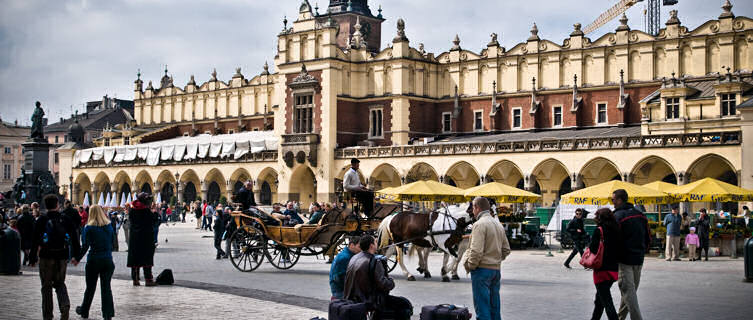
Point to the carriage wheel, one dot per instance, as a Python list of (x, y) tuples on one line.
[(280, 256), (391, 263), (247, 249)]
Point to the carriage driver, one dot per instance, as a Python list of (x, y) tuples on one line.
[(352, 183)]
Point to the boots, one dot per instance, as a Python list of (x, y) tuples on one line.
[(150, 283), (136, 283)]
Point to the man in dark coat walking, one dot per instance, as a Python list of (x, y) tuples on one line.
[(141, 245), (577, 232), (633, 246), (702, 229)]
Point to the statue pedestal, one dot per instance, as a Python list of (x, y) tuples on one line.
[(37, 179)]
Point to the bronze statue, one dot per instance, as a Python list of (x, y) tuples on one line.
[(37, 123)]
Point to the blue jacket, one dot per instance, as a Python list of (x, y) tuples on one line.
[(673, 224), (337, 272), (98, 241), (293, 216)]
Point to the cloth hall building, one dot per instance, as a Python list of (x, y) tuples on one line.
[(548, 116)]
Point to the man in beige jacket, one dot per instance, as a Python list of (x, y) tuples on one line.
[(488, 247)]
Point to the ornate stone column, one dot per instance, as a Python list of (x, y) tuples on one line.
[(229, 191), (204, 190), (682, 179), (179, 191)]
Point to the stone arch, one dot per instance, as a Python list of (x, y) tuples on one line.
[(709, 166), (143, 182), (589, 70), (599, 170), (239, 177), (122, 183), (612, 75), (634, 66), (462, 175), (506, 172), (686, 60), (166, 185), (565, 72), (267, 183), (653, 168), (383, 176), (660, 63), (742, 55), (303, 186), (215, 185), (421, 171), (387, 80), (717, 167), (83, 187), (549, 175), (713, 57), (522, 73), (101, 185), (370, 83)]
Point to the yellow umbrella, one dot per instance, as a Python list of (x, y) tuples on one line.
[(386, 193), (428, 191), (711, 190), (502, 193), (601, 194), (660, 186)]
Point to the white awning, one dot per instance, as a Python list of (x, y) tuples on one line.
[(203, 146)]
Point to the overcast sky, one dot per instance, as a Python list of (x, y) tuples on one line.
[(66, 52)]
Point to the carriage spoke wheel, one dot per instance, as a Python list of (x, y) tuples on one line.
[(280, 256), (247, 249), (391, 263)]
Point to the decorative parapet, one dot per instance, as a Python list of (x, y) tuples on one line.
[(575, 144), (299, 148)]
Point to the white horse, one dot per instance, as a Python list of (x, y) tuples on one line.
[(447, 221)]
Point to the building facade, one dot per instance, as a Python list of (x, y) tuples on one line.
[(12, 136), (546, 116)]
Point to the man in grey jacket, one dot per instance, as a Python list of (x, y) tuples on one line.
[(673, 222)]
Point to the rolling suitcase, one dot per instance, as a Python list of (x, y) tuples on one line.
[(347, 310), (10, 252), (445, 312)]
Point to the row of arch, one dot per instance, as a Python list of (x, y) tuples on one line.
[(185, 186), (552, 178)]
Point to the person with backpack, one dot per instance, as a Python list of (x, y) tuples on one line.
[(608, 234), (141, 246), (366, 279), (53, 244), (97, 238), (634, 244)]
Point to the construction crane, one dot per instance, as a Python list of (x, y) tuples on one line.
[(652, 14)]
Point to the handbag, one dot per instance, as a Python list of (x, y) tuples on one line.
[(594, 260)]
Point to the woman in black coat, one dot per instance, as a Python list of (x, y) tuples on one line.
[(141, 243), (606, 275)]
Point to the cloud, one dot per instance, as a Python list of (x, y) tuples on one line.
[(67, 52)]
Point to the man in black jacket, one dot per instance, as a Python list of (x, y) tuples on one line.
[(56, 240), (73, 215), (367, 281), (245, 196), (635, 240), (577, 232)]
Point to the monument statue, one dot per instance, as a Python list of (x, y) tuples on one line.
[(37, 123)]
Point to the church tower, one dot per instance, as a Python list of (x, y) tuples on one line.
[(346, 12)]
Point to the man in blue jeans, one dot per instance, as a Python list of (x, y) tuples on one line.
[(488, 248)]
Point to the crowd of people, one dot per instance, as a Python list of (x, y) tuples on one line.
[(54, 237)]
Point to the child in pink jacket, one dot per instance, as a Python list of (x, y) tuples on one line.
[(692, 241)]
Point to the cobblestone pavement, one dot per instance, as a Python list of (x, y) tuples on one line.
[(533, 286), (162, 302)]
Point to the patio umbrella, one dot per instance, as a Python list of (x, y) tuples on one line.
[(159, 198), (101, 201), (711, 190), (502, 193), (428, 191), (122, 200), (660, 186), (86, 200), (601, 194), (114, 200), (108, 199), (129, 199)]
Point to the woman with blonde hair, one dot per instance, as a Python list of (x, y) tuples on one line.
[(97, 238)]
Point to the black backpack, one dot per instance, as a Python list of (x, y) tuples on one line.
[(165, 278), (56, 237)]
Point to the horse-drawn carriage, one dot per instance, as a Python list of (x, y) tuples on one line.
[(260, 235)]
